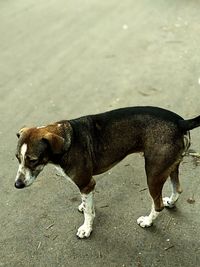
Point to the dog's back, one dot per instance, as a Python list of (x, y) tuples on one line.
[(112, 135)]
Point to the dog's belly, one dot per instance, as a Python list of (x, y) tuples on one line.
[(103, 168), (106, 161)]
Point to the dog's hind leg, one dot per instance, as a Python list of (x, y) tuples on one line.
[(147, 221), (158, 168), (155, 189), (169, 202)]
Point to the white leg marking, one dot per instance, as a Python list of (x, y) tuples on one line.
[(169, 202), (87, 206), (146, 221), (81, 207)]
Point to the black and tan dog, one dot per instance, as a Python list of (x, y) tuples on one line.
[(92, 144)]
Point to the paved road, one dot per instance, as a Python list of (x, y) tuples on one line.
[(63, 59)]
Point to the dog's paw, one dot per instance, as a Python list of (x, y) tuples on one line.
[(84, 231), (81, 207), (144, 221), (167, 203)]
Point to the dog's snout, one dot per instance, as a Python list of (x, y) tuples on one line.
[(19, 184)]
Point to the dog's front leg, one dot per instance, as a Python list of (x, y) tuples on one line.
[(87, 207)]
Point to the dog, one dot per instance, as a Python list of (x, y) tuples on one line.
[(87, 146)]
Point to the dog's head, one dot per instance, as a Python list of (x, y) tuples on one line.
[(36, 147)]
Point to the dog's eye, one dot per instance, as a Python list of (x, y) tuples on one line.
[(32, 160)]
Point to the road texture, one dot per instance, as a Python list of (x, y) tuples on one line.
[(64, 59)]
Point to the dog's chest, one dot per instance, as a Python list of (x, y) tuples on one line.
[(62, 173)]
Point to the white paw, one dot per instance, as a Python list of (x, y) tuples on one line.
[(144, 221), (167, 203), (84, 231), (81, 207)]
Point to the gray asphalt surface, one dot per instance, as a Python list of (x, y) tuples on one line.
[(64, 59)]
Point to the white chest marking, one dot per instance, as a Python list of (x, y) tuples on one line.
[(62, 173)]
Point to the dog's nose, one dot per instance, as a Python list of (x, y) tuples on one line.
[(19, 184)]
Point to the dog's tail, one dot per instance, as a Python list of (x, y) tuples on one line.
[(187, 125)]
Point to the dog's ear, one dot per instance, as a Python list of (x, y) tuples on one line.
[(55, 142), (21, 131)]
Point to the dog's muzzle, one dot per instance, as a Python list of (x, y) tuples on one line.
[(25, 177), (24, 181)]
